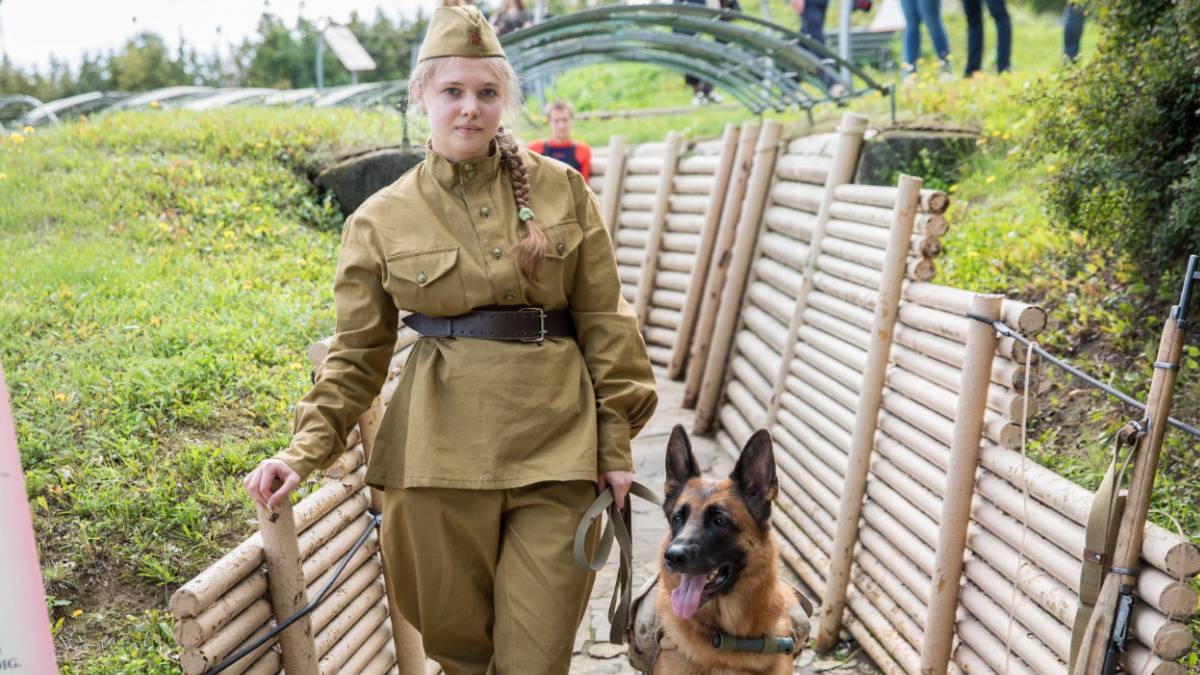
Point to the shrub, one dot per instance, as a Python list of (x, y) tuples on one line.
[(1124, 130)]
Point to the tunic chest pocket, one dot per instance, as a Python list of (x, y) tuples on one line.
[(564, 239), (427, 281)]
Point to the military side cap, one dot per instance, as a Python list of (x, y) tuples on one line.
[(459, 31)]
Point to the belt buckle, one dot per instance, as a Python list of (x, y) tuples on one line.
[(541, 324)]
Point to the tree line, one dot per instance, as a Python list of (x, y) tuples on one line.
[(276, 55)]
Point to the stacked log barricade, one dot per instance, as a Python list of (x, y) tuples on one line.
[(233, 602), (788, 298), (857, 367)]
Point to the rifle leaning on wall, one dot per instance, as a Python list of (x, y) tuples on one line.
[(1108, 630)]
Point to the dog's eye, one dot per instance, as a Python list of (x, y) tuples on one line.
[(677, 519), (721, 521)]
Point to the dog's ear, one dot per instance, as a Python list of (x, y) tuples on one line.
[(681, 464), (755, 478)]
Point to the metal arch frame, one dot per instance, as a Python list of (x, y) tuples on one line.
[(674, 62), (702, 19), (751, 72), (33, 103), (762, 70), (776, 43), (747, 90), (71, 107), (724, 33)]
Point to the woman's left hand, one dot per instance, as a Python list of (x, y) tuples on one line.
[(620, 482)]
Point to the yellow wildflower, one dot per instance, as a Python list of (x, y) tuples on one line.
[(60, 397), (3, 176), (76, 613), (16, 138), (1050, 168), (28, 130), (153, 104), (990, 179), (256, 208), (154, 321)]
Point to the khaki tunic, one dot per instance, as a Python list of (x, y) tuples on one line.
[(479, 414)]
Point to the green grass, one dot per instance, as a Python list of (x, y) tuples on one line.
[(160, 278)]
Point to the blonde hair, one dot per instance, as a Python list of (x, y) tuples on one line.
[(535, 245)]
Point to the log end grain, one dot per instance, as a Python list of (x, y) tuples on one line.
[(937, 202), (921, 269), (936, 225), (1032, 320), (184, 603), (1172, 640), (1178, 600), (1009, 436), (1183, 560)]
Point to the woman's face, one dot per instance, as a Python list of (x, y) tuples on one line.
[(464, 104)]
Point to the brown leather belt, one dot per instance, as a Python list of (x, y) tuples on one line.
[(527, 324)]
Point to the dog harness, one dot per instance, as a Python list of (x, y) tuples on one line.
[(767, 644)]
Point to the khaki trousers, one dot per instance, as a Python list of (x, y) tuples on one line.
[(488, 576)]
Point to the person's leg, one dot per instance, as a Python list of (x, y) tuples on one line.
[(1073, 20), (541, 595), (999, 14), (812, 21), (441, 548), (973, 9), (912, 33)]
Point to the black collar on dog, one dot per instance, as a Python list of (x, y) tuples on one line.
[(767, 644)]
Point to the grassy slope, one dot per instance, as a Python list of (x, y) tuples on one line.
[(160, 278)]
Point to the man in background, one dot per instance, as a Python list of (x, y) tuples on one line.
[(575, 154)]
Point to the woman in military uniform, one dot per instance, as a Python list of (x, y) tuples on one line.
[(506, 419)]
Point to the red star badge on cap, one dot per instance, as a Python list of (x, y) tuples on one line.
[(476, 38)]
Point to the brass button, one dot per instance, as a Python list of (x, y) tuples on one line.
[(496, 253), (561, 247), (508, 295), (485, 212), (468, 167), (421, 278)]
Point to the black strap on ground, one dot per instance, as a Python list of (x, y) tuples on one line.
[(240, 654), (1003, 329)]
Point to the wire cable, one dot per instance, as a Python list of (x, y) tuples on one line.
[(1005, 330), (240, 654)]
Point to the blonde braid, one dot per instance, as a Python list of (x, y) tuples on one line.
[(536, 245)]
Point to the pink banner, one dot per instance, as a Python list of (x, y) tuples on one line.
[(25, 642)]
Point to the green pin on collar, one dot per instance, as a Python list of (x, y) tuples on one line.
[(525, 213)]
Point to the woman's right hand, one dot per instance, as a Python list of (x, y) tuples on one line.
[(259, 481)]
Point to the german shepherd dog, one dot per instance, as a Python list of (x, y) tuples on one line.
[(719, 581)]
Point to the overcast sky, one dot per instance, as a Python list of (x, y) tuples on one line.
[(32, 30)]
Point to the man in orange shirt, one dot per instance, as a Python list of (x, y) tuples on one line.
[(575, 154)]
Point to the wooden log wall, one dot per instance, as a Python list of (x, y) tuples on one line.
[(1022, 556)]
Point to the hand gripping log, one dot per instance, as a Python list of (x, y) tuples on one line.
[(1108, 630)]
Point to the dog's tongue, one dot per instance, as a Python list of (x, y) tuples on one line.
[(686, 597)]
